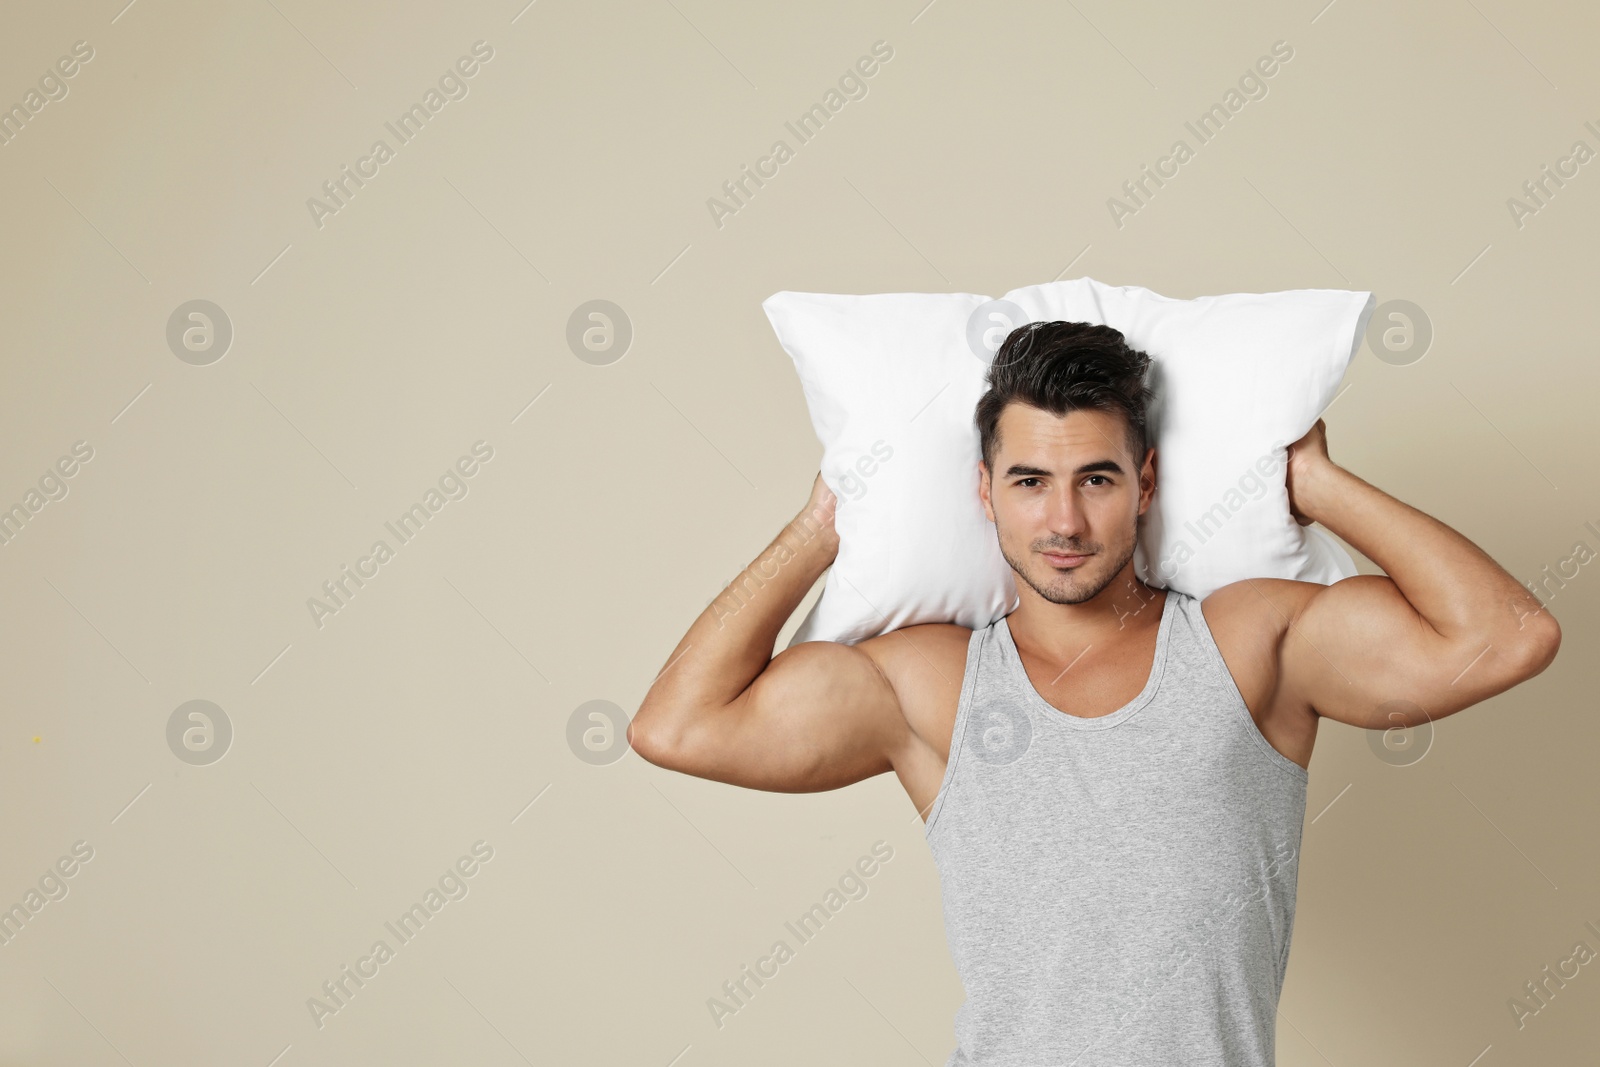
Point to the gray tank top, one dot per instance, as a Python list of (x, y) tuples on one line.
[(1118, 891)]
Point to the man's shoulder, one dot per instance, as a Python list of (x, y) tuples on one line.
[(913, 651), (1249, 621), (1256, 610), (924, 664)]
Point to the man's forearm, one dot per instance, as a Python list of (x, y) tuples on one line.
[(732, 640), (1451, 582)]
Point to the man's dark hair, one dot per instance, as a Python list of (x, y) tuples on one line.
[(1066, 366)]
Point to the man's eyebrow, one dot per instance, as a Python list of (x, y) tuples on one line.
[(1022, 470)]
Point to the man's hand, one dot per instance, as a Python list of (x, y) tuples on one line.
[(816, 518), (1308, 458)]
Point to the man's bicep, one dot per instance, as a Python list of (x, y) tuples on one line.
[(1357, 652), (819, 716)]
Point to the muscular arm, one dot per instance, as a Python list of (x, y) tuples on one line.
[(1444, 628), (817, 716)]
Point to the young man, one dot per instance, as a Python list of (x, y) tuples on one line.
[(1113, 776)]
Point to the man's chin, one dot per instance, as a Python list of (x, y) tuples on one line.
[(1067, 585), (1070, 586)]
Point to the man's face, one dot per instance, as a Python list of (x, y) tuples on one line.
[(1065, 497)]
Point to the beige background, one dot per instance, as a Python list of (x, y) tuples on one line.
[(431, 311)]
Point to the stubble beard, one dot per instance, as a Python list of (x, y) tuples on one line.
[(1074, 586)]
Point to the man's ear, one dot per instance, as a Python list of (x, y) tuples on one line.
[(1147, 479), (984, 490)]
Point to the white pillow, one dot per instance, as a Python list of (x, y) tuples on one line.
[(892, 381)]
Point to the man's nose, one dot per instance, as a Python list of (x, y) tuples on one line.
[(1066, 516)]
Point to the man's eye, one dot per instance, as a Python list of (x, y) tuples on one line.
[(1102, 477), (1027, 480)]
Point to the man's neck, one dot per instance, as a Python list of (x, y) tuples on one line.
[(1119, 611)]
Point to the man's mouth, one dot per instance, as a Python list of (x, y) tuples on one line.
[(1065, 560)]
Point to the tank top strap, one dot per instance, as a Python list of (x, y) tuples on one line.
[(1206, 670), (980, 643)]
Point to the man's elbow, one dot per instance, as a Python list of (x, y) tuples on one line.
[(1538, 641), (646, 737), (657, 738)]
